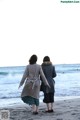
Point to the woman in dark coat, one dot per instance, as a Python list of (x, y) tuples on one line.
[(50, 73)]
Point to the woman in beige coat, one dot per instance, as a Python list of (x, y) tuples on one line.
[(31, 89)]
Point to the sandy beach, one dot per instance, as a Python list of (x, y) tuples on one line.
[(63, 110)]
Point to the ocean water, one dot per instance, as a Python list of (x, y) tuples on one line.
[(67, 83)]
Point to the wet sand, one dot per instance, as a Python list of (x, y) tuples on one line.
[(63, 110)]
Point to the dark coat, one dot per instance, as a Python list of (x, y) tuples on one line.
[(50, 73)]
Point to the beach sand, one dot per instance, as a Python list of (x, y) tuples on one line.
[(63, 110)]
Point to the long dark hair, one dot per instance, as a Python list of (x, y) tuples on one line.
[(33, 59)]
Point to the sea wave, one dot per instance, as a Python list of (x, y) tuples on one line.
[(8, 97), (68, 71), (10, 73), (4, 73)]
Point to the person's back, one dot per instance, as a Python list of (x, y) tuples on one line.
[(33, 70), (50, 73)]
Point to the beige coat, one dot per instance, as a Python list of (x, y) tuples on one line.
[(31, 78)]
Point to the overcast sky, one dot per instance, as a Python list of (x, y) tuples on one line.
[(41, 27)]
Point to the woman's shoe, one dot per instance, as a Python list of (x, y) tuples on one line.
[(46, 111), (35, 113), (50, 111)]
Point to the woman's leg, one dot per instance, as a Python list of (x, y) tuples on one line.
[(51, 100), (47, 106), (51, 106), (37, 110), (33, 108)]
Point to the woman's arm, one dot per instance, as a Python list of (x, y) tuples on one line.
[(23, 77), (43, 77)]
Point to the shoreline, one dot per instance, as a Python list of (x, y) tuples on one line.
[(63, 110), (17, 101)]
